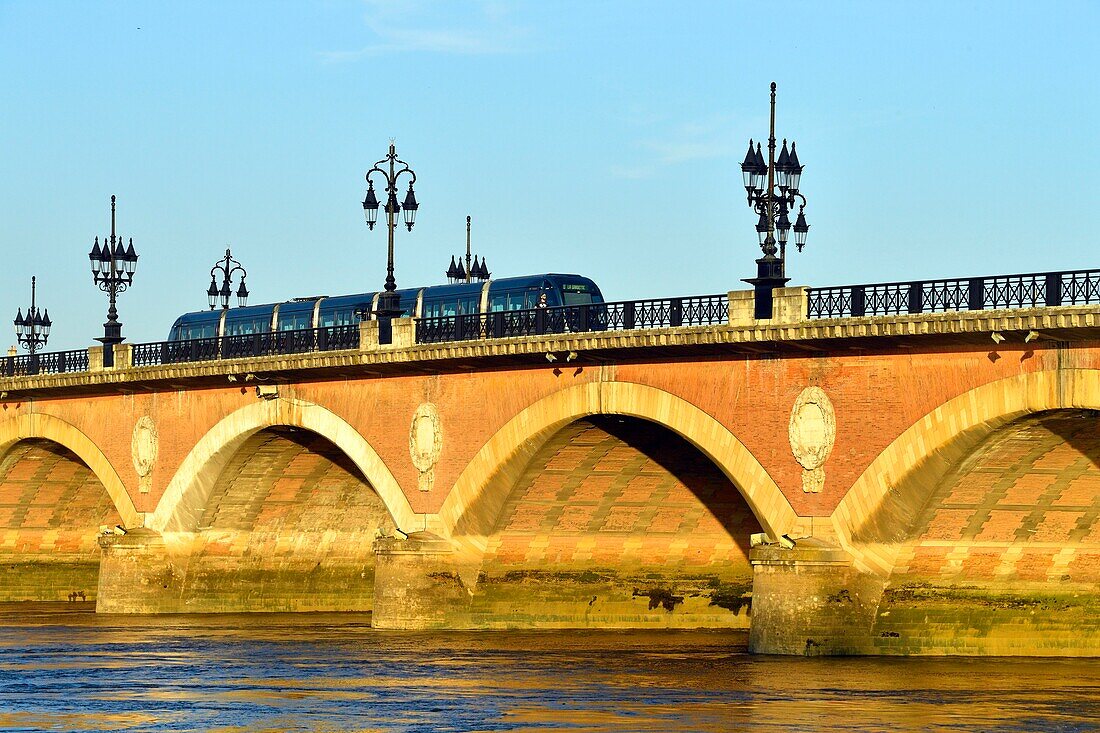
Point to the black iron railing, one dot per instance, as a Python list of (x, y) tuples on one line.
[(54, 362), (174, 352), (1072, 287), (331, 338), (622, 316)]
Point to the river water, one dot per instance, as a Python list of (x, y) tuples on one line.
[(75, 671)]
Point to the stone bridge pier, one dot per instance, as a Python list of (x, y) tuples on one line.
[(887, 485)]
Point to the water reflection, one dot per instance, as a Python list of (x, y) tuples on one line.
[(332, 672)]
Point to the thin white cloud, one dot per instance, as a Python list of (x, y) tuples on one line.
[(481, 28), (706, 139), (632, 172), (682, 151)]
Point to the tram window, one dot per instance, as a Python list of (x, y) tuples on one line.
[(509, 301), (295, 321), (245, 327), (189, 333), (338, 318), (532, 298), (445, 308)]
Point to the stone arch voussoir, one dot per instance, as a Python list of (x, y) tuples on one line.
[(47, 427), (186, 496), (937, 441), (483, 486)]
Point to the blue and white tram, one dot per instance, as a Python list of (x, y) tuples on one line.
[(490, 296)]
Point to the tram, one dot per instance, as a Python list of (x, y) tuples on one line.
[(489, 296)]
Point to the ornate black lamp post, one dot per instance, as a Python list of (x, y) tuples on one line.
[(772, 189), (475, 270), (32, 331), (113, 271), (227, 267), (389, 302)]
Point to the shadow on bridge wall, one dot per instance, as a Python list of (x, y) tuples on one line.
[(475, 502), (56, 490), (275, 509), (617, 522), (289, 526), (56, 430), (606, 504), (51, 509), (982, 523), (188, 493)]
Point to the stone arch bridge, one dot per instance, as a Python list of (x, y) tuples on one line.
[(913, 483)]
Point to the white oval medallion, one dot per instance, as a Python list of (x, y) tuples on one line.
[(812, 432), (425, 443), (144, 446)]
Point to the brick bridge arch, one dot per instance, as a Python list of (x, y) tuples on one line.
[(181, 507), (473, 504), (54, 429), (892, 490)]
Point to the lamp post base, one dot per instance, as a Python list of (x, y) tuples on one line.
[(389, 307), (770, 274), (112, 334)]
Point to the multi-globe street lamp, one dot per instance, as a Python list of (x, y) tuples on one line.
[(389, 302), (227, 266), (113, 271), (33, 331), (773, 191), (472, 270)]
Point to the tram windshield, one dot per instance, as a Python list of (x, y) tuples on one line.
[(579, 294)]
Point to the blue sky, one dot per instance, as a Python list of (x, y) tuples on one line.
[(939, 139)]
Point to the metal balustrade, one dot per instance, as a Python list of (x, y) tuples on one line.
[(620, 316), (174, 352), (54, 362), (275, 343), (997, 292), (332, 338)]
